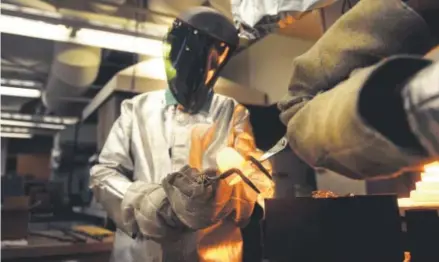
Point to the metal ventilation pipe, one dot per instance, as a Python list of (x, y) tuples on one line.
[(74, 69), (109, 9)]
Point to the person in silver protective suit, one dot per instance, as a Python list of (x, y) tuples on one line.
[(357, 102), (149, 176)]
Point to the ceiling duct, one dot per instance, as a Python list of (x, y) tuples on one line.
[(74, 69), (38, 4), (109, 9)]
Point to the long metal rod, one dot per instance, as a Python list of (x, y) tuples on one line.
[(277, 148)]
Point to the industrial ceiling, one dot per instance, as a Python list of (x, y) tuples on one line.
[(61, 70)]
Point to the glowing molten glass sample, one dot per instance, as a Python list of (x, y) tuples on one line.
[(427, 190), (227, 159)]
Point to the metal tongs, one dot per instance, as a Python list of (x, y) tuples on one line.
[(278, 147)]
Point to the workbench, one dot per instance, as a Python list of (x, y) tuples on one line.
[(51, 250)]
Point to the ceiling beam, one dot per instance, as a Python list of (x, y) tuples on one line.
[(124, 26)]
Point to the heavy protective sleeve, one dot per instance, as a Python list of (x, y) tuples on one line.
[(421, 102), (136, 207), (329, 131), (370, 31), (321, 108)]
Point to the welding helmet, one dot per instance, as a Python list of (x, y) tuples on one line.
[(196, 48)]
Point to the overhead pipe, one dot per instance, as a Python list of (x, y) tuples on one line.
[(108, 7), (74, 69)]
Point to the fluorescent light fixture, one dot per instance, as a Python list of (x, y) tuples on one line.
[(139, 45), (60, 120), (83, 36), (20, 83), (19, 92), (15, 130), (40, 118), (70, 120), (15, 135), (31, 124), (152, 68), (33, 28), (16, 116)]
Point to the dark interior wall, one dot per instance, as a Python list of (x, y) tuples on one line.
[(267, 127), (292, 176), (35, 145)]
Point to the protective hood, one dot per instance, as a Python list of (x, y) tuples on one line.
[(194, 55)]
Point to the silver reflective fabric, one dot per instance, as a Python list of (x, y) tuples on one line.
[(151, 139), (421, 101), (267, 13), (251, 11)]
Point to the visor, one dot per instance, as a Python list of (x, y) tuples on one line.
[(193, 60)]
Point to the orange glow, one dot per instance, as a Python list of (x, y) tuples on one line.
[(201, 137), (228, 252), (286, 21), (215, 59), (209, 75), (220, 245), (229, 158), (407, 257), (223, 56), (427, 189)]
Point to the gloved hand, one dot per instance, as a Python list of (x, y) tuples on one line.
[(202, 199)]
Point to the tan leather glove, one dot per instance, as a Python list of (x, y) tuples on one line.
[(201, 199)]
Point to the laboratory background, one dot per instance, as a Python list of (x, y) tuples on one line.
[(68, 68)]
